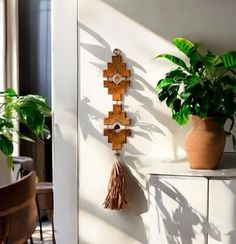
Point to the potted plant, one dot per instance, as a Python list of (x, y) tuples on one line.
[(205, 88), (30, 110)]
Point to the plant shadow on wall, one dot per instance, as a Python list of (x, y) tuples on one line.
[(89, 126), (89, 115), (89, 119), (181, 220), (141, 128), (91, 122)]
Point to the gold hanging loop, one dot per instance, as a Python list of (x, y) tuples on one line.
[(117, 51)]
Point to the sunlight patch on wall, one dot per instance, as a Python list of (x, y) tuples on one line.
[(93, 228)]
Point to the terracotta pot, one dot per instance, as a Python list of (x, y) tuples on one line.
[(205, 143)]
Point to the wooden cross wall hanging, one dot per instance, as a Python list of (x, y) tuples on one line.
[(117, 82)]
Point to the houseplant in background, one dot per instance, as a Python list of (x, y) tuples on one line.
[(205, 88), (30, 110)]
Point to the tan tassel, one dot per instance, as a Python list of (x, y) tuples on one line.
[(115, 199)]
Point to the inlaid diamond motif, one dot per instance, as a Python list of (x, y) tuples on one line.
[(117, 78)]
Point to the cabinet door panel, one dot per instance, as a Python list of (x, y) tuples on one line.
[(222, 211), (177, 210)]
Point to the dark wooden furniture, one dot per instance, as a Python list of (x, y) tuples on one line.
[(26, 165), (44, 201), (18, 211), (44, 192)]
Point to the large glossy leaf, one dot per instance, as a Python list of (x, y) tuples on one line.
[(5, 123), (190, 82), (6, 145), (29, 114), (170, 100), (227, 83), (164, 83), (229, 59), (177, 105), (211, 61), (38, 101), (163, 94), (177, 74), (30, 110), (10, 92), (182, 116), (185, 112), (196, 62), (185, 95), (185, 46), (174, 60)]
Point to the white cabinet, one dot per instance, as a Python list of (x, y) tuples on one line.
[(177, 210), (222, 210), (191, 206)]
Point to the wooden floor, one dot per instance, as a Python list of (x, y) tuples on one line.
[(47, 234)]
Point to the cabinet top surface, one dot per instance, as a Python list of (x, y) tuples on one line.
[(180, 167)]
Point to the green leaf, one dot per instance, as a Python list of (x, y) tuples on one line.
[(164, 83), (185, 95), (185, 46), (163, 95), (190, 82), (170, 100), (210, 60), (174, 60), (5, 123), (182, 116), (196, 108), (176, 74), (227, 83), (196, 62), (31, 117), (39, 101), (31, 110), (10, 92), (229, 59), (6, 145), (176, 105)]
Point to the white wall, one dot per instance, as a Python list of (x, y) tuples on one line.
[(65, 119), (141, 29)]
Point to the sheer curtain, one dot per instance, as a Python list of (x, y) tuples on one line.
[(9, 44), (8, 64), (2, 45)]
